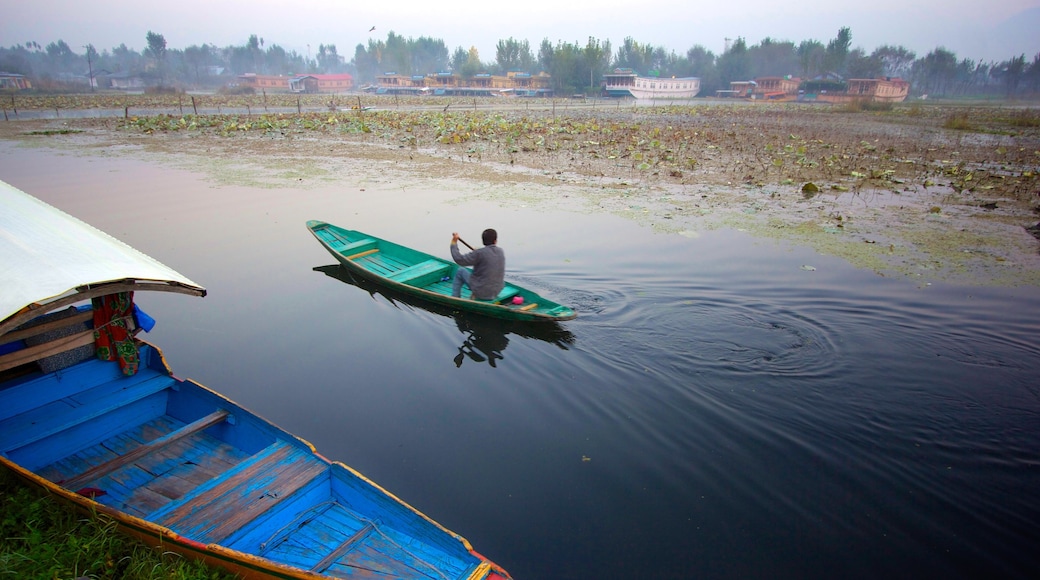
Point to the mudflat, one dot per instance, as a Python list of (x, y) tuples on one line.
[(935, 192)]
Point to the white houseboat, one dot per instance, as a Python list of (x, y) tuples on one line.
[(624, 82)]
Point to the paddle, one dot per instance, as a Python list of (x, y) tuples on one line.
[(467, 245)]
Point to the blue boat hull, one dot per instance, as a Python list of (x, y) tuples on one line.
[(176, 464)]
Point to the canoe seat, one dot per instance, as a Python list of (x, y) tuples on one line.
[(357, 247), (507, 293), (422, 273)]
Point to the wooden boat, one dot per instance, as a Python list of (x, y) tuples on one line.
[(485, 339), (172, 462), (428, 277)]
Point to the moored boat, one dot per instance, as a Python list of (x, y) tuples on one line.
[(428, 277), (92, 414), (624, 82)]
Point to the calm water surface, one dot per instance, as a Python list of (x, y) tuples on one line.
[(715, 411)]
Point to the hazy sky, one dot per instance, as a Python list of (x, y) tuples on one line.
[(986, 30)]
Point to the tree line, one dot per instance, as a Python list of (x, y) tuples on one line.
[(573, 67)]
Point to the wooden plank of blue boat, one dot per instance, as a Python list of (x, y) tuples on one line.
[(111, 465), (55, 417), (244, 495), (384, 554), (341, 550), (85, 434), (153, 481)]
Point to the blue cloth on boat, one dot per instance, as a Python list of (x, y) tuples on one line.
[(144, 322), (489, 271)]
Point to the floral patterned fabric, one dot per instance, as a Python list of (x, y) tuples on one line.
[(112, 336)]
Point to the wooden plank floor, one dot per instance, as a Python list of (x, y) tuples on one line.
[(222, 507), (156, 479)]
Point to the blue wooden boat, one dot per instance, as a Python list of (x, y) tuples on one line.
[(171, 461), (429, 277)]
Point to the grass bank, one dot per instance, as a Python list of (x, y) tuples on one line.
[(43, 539)]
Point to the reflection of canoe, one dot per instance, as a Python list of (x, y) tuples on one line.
[(172, 462), (428, 277), (483, 334)]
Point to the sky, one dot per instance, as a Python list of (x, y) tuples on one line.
[(994, 30)]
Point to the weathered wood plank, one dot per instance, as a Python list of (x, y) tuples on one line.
[(238, 498), (112, 465), (74, 320), (341, 550), (55, 417), (363, 254), (33, 353)]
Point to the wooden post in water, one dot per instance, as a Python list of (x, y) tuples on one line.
[(264, 92), (193, 107), (298, 111), (180, 105)]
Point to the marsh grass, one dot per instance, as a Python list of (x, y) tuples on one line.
[(861, 105), (41, 538), (1025, 118), (958, 122)]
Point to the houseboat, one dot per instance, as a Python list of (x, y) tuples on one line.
[(879, 90), (624, 82)]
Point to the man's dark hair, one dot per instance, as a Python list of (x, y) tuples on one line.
[(489, 236)]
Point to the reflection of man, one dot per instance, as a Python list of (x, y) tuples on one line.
[(489, 267), (484, 339)]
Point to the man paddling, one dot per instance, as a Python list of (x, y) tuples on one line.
[(489, 267)]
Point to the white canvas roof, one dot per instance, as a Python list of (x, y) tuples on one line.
[(46, 254)]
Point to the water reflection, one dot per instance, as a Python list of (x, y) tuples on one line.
[(485, 339)]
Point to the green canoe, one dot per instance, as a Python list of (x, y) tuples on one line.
[(428, 277)]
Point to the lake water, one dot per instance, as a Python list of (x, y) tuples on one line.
[(716, 410)]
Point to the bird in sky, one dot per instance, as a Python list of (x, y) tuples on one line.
[(371, 29)]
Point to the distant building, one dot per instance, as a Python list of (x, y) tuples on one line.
[(483, 84), (624, 82), (13, 81), (309, 83)]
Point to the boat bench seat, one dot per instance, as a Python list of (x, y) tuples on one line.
[(357, 247), (57, 416), (423, 272), (507, 293)]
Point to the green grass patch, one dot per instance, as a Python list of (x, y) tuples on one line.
[(43, 539), (55, 132)]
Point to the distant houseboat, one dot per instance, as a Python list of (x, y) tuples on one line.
[(880, 90), (624, 82)]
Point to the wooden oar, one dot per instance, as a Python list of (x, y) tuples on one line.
[(467, 245)]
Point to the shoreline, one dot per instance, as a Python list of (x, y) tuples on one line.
[(895, 193)]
